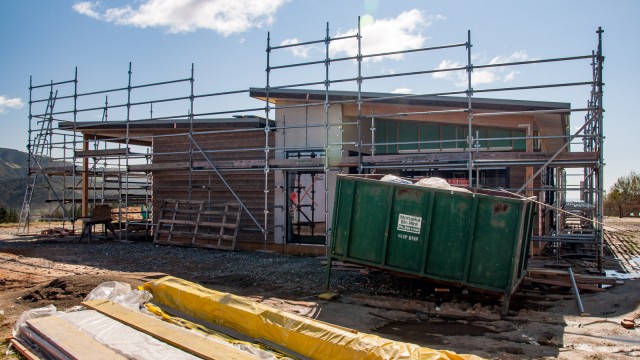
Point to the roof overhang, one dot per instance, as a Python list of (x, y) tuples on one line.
[(141, 131), (305, 95)]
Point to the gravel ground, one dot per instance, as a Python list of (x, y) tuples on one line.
[(207, 266), (35, 272)]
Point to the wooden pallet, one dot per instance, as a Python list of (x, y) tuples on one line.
[(189, 223)]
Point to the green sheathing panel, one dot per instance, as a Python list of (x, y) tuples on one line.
[(408, 132), (449, 235), (448, 132), (429, 132), (492, 252), (519, 144), (381, 136), (342, 217), (369, 220), (407, 230), (499, 133), (392, 137), (480, 133), (461, 135), (397, 131)]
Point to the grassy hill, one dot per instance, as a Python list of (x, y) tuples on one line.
[(13, 181)]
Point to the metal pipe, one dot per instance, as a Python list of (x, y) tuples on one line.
[(469, 69), (600, 139), (433, 112), (535, 87), (191, 109), (515, 63), (327, 149), (576, 292), (423, 72), (266, 142), (311, 42), (49, 84), (359, 115), (528, 112), (414, 50)]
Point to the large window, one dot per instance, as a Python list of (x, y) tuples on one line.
[(394, 136), (489, 178)]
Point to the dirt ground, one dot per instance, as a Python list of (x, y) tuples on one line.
[(543, 321)]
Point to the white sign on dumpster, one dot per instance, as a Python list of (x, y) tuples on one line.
[(409, 223)]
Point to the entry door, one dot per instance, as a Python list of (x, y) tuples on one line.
[(306, 205)]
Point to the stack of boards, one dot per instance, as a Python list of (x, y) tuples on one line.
[(112, 331)]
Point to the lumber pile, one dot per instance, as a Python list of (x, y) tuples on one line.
[(112, 331), (561, 278)]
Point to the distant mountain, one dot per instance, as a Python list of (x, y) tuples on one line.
[(13, 181), (13, 178), (13, 164)]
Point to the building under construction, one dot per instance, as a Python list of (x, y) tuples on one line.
[(263, 176)]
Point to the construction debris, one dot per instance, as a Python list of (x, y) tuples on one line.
[(329, 296), (562, 278), (58, 231), (114, 327), (308, 337), (628, 323)]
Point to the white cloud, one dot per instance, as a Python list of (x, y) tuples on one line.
[(402, 91), (384, 35), (482, 76), (300, 51), (446, 64), (179, 16), (516, 56), (12, 103), (86, 8), (510, 76)]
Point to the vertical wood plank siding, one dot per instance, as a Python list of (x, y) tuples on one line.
[(206, 185)]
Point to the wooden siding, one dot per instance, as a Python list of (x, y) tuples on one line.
[(204, 184)]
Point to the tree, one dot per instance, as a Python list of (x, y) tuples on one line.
[(8, 216), (625, 191)]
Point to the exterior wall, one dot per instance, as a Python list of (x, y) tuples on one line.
[(313, 137), (350, 134), (207, 185)]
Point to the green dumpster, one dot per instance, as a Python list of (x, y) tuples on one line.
[(478, 239)]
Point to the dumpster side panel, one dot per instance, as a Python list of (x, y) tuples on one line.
[(342, 216), (407, 230), (369, 219), (526, 238), (448, 240), (493, 247)]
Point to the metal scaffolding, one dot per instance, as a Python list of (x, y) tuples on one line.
[(65, 141)]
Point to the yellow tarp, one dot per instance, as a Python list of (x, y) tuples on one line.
[(308, 337)]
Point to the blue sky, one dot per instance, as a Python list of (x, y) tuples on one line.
[(226, 40)]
